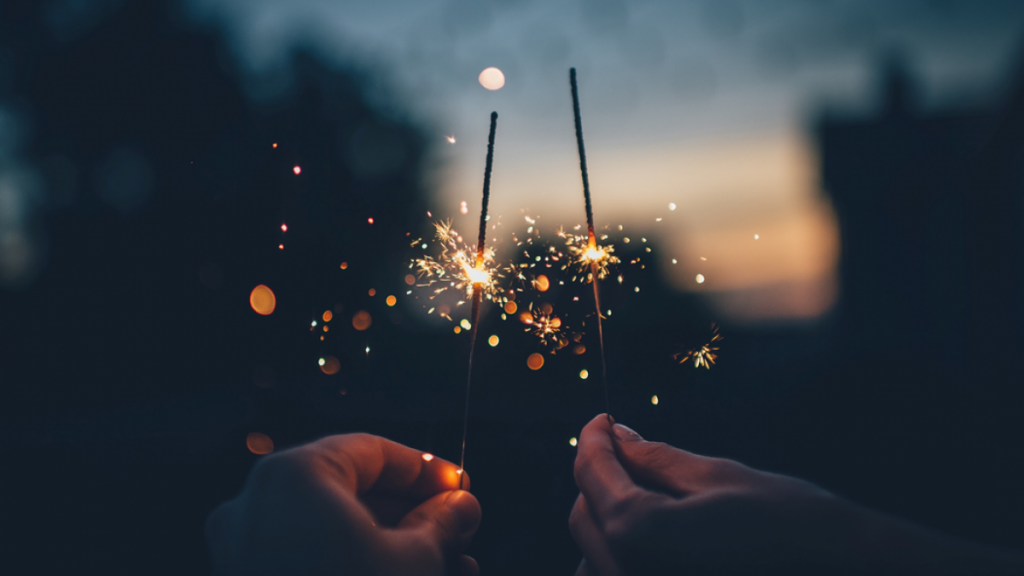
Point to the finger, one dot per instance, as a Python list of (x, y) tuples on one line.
[(466, 566), (660, 466), (434, 532), (597, 556), (600, 477), (361, 462)]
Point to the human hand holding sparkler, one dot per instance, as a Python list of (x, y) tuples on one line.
[(648, 508), (348, 504)]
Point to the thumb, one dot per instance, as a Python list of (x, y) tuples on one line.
[(433, 532), (658, 465)]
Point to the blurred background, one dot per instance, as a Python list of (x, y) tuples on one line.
[(836, 185)]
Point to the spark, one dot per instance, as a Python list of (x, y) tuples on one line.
[(284, 227), (704, 355), (427, 457), (274, 145), (297, 169), (545, 326)]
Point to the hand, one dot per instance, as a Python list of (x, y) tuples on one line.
[(648, 508), (349, 504)]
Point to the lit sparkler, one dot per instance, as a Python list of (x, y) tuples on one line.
[(594, 254), (702, 355), (480, 281), (590, 259), (459, 267)]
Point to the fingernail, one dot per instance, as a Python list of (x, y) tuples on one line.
[(464, 507), (625, 433)]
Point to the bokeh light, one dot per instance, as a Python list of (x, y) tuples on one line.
[(584, 374), (654, 399), (391, 300), (297, 170), (511, 307), (410, 279), (542, 283), (344, 265), (700, 278), (493, 340), (427, 457), (535, 361), (259, 443), (330, 365), (492, 78), (262, 300), (328, 315), (362, 320), (572, 441), (465, 324), (372, 292)]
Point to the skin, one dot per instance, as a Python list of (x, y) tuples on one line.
[(648, 508), (348, 504)]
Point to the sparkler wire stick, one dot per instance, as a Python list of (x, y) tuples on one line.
[(477, 290), (592, 241)]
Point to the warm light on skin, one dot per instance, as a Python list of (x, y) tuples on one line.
[(428, 457), (492, 78), (262, 300)]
